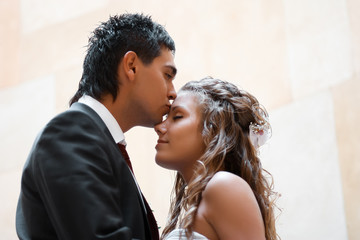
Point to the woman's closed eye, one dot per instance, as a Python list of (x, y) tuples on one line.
[(176, 117)]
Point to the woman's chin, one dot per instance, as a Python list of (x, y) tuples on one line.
[(164, 164)]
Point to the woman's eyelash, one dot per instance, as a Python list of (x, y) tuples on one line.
[(177, 117)]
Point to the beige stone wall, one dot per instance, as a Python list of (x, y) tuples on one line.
[(301, 58)]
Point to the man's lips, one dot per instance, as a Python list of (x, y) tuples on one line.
[(168, 106), (162, 141), (166, 109)]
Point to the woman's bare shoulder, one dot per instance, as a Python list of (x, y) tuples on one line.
[(226, 183), (231, 208)]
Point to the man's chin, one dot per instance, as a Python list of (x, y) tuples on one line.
[(160, 120), (153, 123)]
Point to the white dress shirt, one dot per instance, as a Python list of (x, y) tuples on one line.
[(111, 124), (106, 116)]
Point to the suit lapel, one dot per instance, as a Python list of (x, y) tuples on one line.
[(152, 228)]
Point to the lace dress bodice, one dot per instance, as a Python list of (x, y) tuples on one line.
[(179, 234)]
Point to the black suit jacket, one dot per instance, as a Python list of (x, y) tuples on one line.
[(76, 184)]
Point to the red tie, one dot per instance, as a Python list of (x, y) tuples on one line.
[(125, 155), (151, 219)]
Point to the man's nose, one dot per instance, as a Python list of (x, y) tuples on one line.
[(172, 93)]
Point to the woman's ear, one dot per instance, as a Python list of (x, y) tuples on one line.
[(129, 64)]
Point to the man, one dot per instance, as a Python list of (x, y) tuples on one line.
[(76, 183)]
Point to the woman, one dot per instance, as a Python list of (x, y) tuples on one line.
[(210, 138)]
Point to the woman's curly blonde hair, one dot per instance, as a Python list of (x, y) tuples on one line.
[(226, 113)]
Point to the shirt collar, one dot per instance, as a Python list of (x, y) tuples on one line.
[(106, 116)]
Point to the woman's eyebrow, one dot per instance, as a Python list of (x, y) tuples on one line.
[(175, 107)]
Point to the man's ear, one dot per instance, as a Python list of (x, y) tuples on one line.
[(129, 64)]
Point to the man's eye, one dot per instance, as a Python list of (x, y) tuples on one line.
[(169, 76)]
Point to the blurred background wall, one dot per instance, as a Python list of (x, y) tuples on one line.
[(301, 58)]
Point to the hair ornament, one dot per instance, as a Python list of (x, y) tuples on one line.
[(259, 133)]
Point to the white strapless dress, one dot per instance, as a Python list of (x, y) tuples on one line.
[(177, 233)]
